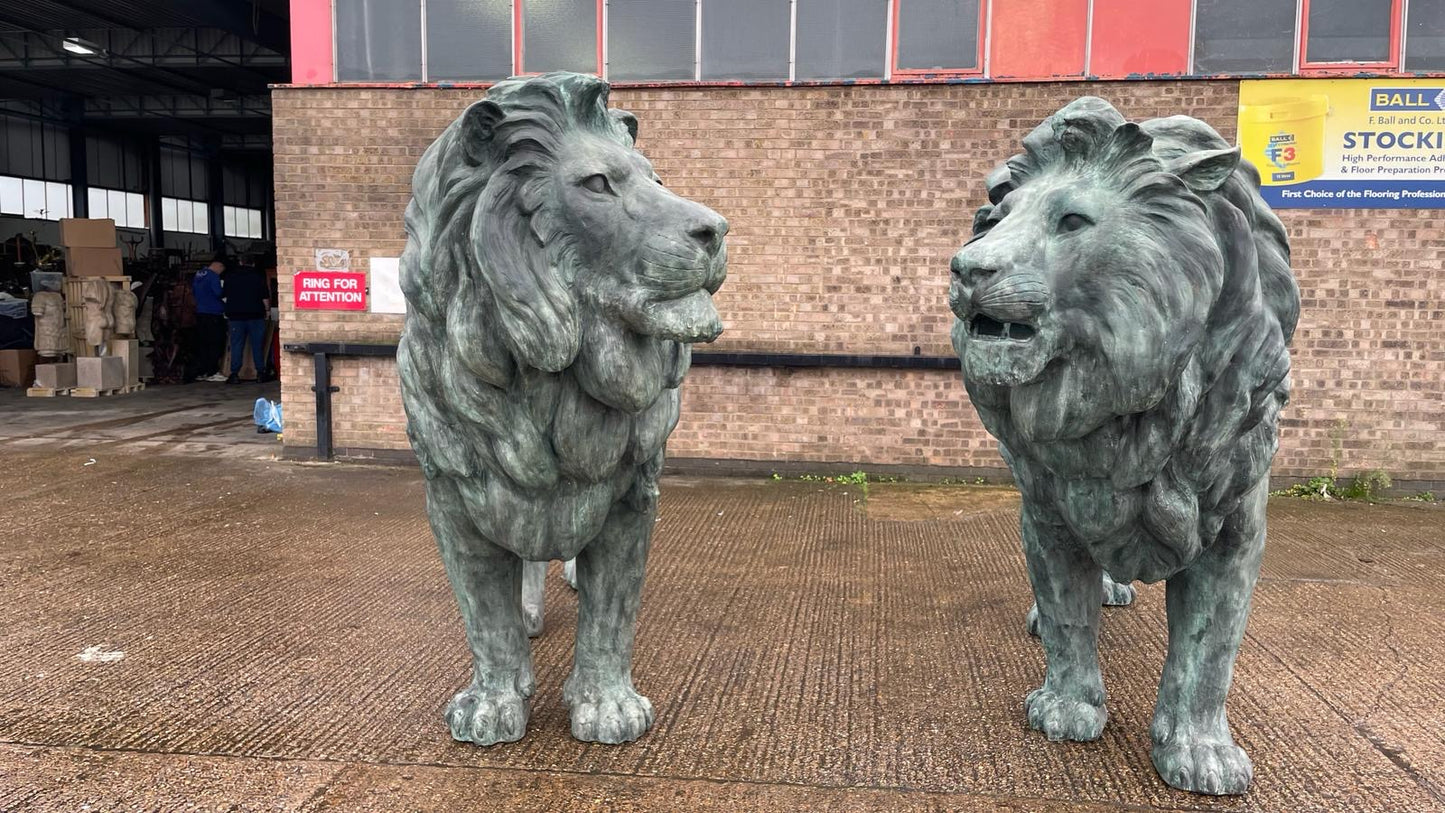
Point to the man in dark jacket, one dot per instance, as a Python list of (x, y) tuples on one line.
[(209, 338), (247, 304)]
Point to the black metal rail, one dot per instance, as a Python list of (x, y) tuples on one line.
[(323, 352)]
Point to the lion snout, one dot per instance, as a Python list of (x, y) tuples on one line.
[(708, 231), (1011, 297)]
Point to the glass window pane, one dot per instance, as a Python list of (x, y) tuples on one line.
[(116, 206), (745, 39), (468, 39), (184, 212), (228, 219), (1244, 36), (135, 209), (170, 219), (12, 195), (200, 218), (841, 39), (34, 198), (1425, 37), (651, 40), (97, 203), (559, 35), (378, 40), (937, 34), (256, 227), (1349, 31), (57, 200)]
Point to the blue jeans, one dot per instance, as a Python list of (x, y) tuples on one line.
[(255, 330)]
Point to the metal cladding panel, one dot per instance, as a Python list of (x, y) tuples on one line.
[(1140, 38), (1037, 41)]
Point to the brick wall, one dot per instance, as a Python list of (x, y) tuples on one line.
[(845, 205)]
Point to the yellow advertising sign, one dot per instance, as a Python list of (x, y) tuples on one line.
[(1346, 143)]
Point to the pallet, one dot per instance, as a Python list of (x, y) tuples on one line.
[(92, 392), (45, 392)]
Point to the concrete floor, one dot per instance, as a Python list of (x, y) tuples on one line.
[(289, 642)]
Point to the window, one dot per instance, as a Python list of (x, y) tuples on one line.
[(380, 40), (745, 39), (467, 40), (185, 216), (1244, 36), (127, 209), (1425, 37), (651, 40), (938, 35), (841, 39), (1350, 33), (238, 221), (560, 35), (37, 200)]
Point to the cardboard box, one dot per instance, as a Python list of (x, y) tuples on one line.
[(81, 232), (93, 262), (128, 350), (58, 376), (17, 368), (100, 372)]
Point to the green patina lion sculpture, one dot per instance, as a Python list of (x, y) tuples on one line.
[(553, 287), (1124, 309)]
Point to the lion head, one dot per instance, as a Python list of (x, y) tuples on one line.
[(1123, 310), (553, 284)]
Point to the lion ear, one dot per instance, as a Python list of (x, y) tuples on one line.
[(1206, 170), (627, 119), (479, 122)]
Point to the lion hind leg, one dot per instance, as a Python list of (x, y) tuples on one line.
[(487, 582), (1067, 593), (605, 707), (534, 583), (1208, 606)]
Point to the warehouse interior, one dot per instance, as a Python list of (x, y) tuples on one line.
[(146, 119)]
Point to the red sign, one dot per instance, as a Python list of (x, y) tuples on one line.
[(329, 290)]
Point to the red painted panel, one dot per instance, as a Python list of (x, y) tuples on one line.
[(1038, 38), (1138, 37), (311, 62)]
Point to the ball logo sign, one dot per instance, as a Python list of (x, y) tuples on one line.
[(330, 290)]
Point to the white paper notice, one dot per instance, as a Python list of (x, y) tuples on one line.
[(386, 294)]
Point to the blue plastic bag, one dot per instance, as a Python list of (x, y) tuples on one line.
[(268, 416)]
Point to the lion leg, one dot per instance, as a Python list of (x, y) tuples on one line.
[(487, 581), (1116, 594), (534, 583), (1208, 605), (605, 706), (569, 573), (1068, 593)]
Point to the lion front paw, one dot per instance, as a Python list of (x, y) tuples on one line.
[(1065, 716), (1203, 766), (487, 716), (611, 715)]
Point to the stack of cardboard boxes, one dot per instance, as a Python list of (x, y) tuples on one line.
[(91, 251)]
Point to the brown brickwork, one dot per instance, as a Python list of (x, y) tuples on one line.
[(845, 205)]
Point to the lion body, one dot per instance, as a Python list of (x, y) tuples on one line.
[(553, 287)]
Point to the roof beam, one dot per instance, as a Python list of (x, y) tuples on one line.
[(125, 48), (177, 107)]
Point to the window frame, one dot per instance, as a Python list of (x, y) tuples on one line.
[(518, 39), (1390, 66), (980, 55)]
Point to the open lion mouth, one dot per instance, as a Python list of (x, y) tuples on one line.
[(983, 326)]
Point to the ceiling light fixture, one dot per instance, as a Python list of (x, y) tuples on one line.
[(76, 45)]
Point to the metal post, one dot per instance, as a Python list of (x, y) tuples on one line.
[(323, 390)]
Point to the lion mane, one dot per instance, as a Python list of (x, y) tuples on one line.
[(1142, 449), (513, 386)]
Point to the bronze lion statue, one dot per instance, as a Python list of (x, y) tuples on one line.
[(1124, 309), (553, 287)]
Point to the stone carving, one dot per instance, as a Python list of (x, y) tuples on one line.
[(52, 337), (96, 295), (123, 304), (1124, 308), (534, 575), (553, 287)]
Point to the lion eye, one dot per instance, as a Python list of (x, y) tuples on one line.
[(598, 184), (1074, 222)]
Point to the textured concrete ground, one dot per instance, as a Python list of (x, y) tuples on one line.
[(289, 641)]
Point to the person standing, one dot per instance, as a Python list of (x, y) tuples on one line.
[(247, 305), (210, 333)]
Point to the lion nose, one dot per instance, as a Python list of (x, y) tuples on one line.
[(961, 266), (709, 231)]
